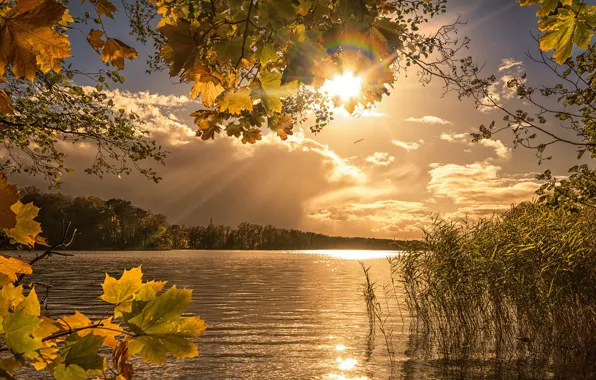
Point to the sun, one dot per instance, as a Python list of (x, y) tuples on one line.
[(346, 86)]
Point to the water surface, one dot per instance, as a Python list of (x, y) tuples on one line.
[(270, 314)]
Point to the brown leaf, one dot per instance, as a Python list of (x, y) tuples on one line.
[(105, 8), (95, 39), (119, 358), (5, 103), (115, 51), (28, 38), (9, 195), (286, 124)]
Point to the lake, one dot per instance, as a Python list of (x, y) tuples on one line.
[(270, 314)]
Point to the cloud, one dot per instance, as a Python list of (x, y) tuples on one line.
[(380, 159), (158, 113), (480, 184), (509, 63), (428, 120), (409, 146), (500, 149)]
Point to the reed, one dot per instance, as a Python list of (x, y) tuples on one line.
[(516, 290)]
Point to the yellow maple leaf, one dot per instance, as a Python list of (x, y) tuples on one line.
[(30, 305), (28, 38), (26, 229), (9, 195), (95, 39), (10, 297), (236, 101), (9, 267), (208, 91), (120, 292), (115, 51)]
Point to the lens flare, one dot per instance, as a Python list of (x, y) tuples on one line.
[(345, 86)]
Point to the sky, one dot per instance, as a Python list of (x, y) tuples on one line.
[(416, 161)]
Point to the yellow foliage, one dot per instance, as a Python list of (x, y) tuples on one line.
[(234, 101), (9, 267), (26, 229)]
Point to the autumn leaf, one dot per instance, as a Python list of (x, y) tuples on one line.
[(103, 327), (5, 103), (28, 38), (95, 39), (571, 25), (104, 8), (30, 305), (234, 101), (207, 129), (181, 49), (161, 330), (251, 136), (9, 195), (120, 357), (80, 357), (208, 91), (271, 91), (9, 267), (26, 229), (10, 297), (115, 51), (284, 127), (18, 333), (304, 7), (120, 292)]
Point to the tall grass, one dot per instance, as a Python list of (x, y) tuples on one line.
[(516, 290)]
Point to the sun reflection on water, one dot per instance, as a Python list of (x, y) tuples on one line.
[(347, 364), (352, 254), (336, 376)]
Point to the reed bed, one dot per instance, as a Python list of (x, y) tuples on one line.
[(514, 291)]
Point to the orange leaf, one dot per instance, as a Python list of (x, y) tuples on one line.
[(95, 39), (5, 103), (28, 38), (115, 51)]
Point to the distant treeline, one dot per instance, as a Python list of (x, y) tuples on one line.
[(118, 224)]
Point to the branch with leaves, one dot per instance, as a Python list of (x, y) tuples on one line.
[(146, 320)]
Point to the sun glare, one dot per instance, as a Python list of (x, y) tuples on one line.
[(345, 86)]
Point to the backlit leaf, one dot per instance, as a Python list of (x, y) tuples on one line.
[(26, 229), (115, 51), (120, 292), (18, 333), (234, 101), (9, 267), (95, 38), (571, 25), (208, 91), (161, 330), (30, 305)]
